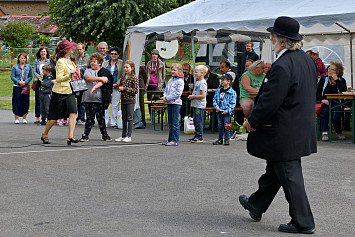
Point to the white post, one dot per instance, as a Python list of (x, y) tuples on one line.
[(193, 56)]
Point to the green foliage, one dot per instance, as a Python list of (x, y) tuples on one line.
[(43, 39), (238, 127), (104, 20), (17, 34)]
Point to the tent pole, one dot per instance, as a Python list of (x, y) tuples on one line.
[(351, 53), (193, 56)]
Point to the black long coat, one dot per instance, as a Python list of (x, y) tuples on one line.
[(284, 114), (212, 83)]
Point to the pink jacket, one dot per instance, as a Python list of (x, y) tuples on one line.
[(321, 67)]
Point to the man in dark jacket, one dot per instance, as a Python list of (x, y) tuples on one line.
[(212, 83), (286, 100), (248, 54), (188, 85)]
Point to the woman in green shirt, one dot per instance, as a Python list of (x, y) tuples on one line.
[(250, 83)]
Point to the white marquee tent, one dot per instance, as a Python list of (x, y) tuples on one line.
[(323, 23)]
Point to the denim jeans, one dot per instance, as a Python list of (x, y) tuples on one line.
[(223, 119), (336, 119), (173, 121), (80, 107), (37, 102), (198, 121)]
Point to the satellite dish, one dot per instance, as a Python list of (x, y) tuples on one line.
[(167, 49)]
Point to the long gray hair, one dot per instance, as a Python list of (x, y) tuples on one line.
[(289, 43)]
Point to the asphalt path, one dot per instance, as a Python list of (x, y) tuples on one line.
[(145, 189)]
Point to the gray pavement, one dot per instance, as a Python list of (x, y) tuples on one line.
[(145, 189)]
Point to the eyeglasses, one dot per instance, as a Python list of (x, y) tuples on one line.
[(114, 53), (331, 69)]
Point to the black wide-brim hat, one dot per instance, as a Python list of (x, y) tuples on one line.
[(287, 27)]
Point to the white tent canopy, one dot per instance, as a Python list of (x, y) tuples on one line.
[(318, 19)]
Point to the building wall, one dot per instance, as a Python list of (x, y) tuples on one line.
[(23, 8)]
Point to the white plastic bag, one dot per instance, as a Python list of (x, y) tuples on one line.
[(189, 127)]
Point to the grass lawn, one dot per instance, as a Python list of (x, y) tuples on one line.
[(6, 84), (7, 105)]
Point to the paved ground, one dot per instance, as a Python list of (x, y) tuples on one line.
[(145, 189)]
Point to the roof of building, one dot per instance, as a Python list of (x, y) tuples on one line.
[(39, 22)]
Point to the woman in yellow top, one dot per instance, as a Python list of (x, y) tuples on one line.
[(63, 103)]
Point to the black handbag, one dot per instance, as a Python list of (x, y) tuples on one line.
[(79, 85)]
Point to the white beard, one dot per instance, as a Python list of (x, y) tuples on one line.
[(276, 47)]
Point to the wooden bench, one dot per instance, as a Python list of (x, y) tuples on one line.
[(158, 111), (152, 102), (318, 131), (212, 111)]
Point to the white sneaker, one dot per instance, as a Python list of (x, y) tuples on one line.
[(120, 139), (24, 121), (17, 121), (127, 139), (241, 137), (325, 137)]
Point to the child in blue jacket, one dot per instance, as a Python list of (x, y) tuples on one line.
[(224, 102)]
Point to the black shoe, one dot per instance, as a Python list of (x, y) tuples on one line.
[(197, 139), (72, 140), (290, 228), (115, 127), (190, 139), (254, 213), (226, 142), (45, 140), (218, 142), (107, 138)]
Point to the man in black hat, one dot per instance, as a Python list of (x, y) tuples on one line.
[(285, 101)]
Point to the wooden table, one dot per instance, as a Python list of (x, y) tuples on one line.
[(345, 97), (184, 93)]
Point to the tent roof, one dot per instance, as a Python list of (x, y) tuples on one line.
[(315, 16)]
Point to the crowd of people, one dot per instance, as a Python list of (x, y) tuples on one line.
[(52, 75), (286, 93)]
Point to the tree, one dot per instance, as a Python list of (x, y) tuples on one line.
[(42, 38), (17, 34), (104, 20)]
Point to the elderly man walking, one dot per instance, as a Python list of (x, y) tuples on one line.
[(285, 101)]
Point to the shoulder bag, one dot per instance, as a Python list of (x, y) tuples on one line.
[(77, 83), (25, 89)]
